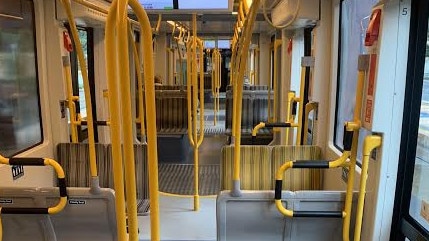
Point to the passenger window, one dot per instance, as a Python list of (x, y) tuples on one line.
[(20, 120), (354, 22)]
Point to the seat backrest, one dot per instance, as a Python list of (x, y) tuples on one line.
[(254, 108), (29, 226), (253, 216), (87, 216), (74, 158), (298, 179), (259, 165), (171, 111), (255, 168)]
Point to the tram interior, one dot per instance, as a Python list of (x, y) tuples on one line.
[(208, 120)]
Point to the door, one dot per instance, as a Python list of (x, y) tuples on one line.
[(411, 214)]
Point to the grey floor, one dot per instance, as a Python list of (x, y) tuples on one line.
[(178, 221)]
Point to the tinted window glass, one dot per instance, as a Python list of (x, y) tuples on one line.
[(20, 122)]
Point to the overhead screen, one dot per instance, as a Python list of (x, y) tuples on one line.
[(157, 4), (200, 5), (203, 4), (223, 44)]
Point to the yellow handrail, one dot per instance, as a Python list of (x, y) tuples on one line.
[(42, 162), (363, 68), (118, 14), (70, 99), (150, 117), (289, 115), (216, 81), (246, 38), (127, 118), (84, 70), (61, 184), (370, 143), (115, 119), (351, 137), (195, 140), (290, 164), (189, 86), (141, 119)]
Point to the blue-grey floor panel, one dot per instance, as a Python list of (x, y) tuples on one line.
[(179, 222)]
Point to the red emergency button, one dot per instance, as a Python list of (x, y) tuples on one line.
[(68, 45), (374, 28)]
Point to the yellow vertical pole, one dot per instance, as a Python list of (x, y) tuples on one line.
[(127, 119), (180, 74), (151, 118), (70, 99), (214, 70), (194, 110), (234, 87), (115, 120), (363, 67), (370, 143), (137, 64), (201, 137), (242, 66), (219, 80), (288, 116), (189, 85), (82, 64)]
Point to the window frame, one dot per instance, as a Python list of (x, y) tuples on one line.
[(403, 224), (37, 72), (338, 89)]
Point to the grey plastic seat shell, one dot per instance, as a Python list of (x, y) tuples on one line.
[(254, 216), (25, 227), (87, 216)]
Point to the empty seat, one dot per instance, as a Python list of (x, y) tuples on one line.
[(259, 165), (254, 216), (25, 226), (171, 112), (74, 158), (87, 216)]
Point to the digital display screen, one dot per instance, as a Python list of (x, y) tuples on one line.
[(224, 44), (157, 4), (209, 44), (200, 5), (203, 4)]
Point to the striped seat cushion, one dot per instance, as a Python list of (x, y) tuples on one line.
[(74, 158), (171, 112), (255, 168), (140, 155)]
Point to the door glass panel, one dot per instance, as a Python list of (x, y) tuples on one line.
[(419, 207), (83, 36)]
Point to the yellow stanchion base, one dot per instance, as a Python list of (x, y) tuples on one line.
[(196, 203)]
